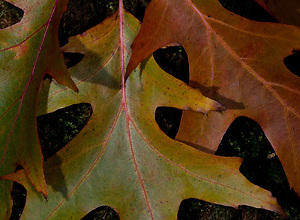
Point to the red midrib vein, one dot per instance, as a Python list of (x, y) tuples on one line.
[(124, 103)]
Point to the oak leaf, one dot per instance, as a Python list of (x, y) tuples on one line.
[(235, 61), (28, 51), (121, 158)]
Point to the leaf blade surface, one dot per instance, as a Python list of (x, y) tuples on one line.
[(238, 63), (121, 158), (24, 49)]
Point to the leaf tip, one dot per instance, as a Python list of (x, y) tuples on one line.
[(220, 107), (216, 106)]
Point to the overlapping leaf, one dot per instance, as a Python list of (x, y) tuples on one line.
[(287, 12), (237, 62), (28, 50), (121, 158)]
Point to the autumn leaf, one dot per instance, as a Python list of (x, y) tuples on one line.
[(121, 158), (28, 50), (238, 63), (287, 12)]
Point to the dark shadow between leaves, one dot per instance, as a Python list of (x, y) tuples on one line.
[(71, 59), (168, 120), (9, 14), (246, 139), (18, 195), (137, 8), (248, 9), (90, 14), (195, 209), (56, 129), (102, 213), (292, 62), (173, 60)]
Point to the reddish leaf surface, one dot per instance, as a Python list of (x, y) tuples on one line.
[(235, 61), (285, 11), (121, 158), (28, 50)]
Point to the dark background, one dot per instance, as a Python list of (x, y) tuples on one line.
[(244, 138)]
